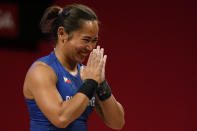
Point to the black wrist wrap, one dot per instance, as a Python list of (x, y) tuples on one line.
[(103, 91), (88, 88)]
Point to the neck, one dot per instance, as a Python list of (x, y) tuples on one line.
[(67, 63)]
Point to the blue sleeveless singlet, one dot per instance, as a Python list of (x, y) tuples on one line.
[(67, 85)]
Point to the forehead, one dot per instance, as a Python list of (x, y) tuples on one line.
[(89, 28)]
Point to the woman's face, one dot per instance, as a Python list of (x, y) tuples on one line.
[(82, 42)]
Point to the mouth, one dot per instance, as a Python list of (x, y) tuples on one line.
[(83, 55)]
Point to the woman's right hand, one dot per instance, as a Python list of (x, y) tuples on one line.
[(95, 66)]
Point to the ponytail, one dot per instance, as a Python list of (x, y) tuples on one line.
[(48, 21)]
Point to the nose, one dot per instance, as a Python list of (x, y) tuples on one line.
[(90, 47)]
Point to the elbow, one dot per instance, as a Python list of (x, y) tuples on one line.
[(121, 125), (117, 126), (61, 122)]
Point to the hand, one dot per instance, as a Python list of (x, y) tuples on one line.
[(103, 69), (95, 66)]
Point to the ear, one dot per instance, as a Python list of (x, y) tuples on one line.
[(62, 35)]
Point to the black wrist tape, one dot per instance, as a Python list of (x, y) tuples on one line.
[(103, 91), (88, 88)]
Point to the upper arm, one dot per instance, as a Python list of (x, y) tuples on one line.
[(41, 81)]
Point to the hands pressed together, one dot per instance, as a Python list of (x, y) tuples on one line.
[(95, 68), (95, 84)]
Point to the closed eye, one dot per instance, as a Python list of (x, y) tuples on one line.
[(94, 41), (86, 40)]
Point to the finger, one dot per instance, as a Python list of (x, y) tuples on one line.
[(105, 59), (100, 66), (89, 59), (104, 63), (99, 57), (102, 52), (98, 47), (95, 58), (98, 51)]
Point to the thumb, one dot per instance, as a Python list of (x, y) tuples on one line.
[(82, 72)]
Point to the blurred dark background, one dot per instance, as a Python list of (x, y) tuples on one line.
[(151, 65), (19, 26)]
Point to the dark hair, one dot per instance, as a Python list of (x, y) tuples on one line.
[(70, 17)]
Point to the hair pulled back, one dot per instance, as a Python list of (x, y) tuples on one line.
[(70, 17)]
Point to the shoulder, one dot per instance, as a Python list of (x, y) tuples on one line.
[(40, 69), (40, 73)]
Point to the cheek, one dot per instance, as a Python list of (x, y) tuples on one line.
[(76, 45), (94, 45), (79, 46)]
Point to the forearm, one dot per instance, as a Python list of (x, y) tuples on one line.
[(112, 112), (73, 108)]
